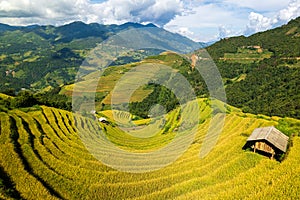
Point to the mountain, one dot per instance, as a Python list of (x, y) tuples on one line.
[(35, 57), (74, 30), (5, 27)]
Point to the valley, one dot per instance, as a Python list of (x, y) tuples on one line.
[(56, 144)]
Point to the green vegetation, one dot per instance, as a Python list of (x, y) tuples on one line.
[(160, 95), (26, 99), (261, 72), (268, 88)]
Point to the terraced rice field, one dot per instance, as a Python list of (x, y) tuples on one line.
[(43, 157), (107, 83)]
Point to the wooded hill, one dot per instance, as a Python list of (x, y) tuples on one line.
[(261, 72)]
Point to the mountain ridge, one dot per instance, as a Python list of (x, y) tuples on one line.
[(46, 49)]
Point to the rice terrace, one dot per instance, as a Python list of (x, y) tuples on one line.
[(150, 100), (42, 157)]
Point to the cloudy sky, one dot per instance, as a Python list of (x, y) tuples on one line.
[(200, 20)]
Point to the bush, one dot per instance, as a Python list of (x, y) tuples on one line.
[(24, 99)]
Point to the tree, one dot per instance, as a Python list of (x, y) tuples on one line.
[(24, 99)]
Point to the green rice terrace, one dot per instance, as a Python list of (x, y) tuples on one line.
[(43, 157)]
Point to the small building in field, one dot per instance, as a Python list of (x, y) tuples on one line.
[(268, 141), (102, 120)]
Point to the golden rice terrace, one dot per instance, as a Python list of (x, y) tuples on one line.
[(42, 157)]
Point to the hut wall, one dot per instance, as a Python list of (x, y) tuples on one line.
[(262, 146)]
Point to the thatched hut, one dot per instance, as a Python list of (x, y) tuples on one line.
[(268, 141)]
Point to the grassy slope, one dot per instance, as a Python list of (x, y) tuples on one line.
[(45, 159)]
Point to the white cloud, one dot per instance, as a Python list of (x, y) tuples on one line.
[(211, 20), (291, 12), (205, 20), (259, 22), (185, 32), (22, 12), (111, 11)]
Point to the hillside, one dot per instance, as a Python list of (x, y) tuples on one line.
[(42, 157), (261, 72)]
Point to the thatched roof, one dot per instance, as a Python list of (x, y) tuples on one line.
[(272, 135)]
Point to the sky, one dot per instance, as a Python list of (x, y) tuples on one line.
[(200, 20)]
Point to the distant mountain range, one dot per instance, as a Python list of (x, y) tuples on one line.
[(74, 30), (79, 30), (40, 56)]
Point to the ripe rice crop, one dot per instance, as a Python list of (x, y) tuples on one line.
[(43, 156)]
